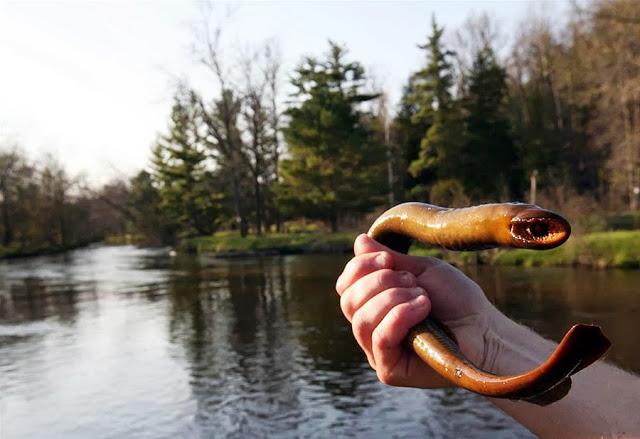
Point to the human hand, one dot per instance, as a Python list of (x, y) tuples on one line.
[(384, 293)]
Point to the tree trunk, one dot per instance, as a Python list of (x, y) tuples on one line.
[(390, 176), (258, 207), (237, 195), (6, 223), (237, 204), (334, 222)]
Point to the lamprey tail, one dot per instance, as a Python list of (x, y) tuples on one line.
[(480, 227)]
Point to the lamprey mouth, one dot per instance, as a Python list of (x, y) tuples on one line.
[(539, 229)]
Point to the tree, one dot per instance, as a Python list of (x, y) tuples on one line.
[(260, 116), (607, 42), (489, 159), (55, 186), (221, 117), (17, 193), (551, 108), (186, 186), (334, 166), (146, 213), (436, 109)]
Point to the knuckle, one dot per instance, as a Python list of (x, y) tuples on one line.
[(360, 326), (352, 266), (399, 295), (385, 277), (396, 315), (360, 240), (345, 305), (380, 339), (385, 259), (385, 375)]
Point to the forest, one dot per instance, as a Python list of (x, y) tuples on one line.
[(553, 119)]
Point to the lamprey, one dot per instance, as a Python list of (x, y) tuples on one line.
[(482, 227)]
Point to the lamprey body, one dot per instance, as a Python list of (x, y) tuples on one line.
[(482, 227)]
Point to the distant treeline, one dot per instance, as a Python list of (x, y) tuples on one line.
[(556, 120), (43, 209)]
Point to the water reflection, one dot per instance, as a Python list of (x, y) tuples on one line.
[(120, 342), (550, 300)]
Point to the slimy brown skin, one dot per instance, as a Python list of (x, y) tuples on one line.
[(481, 227)]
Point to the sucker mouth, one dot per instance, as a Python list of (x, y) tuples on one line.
[(540, 229)]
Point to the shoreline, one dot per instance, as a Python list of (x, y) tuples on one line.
[(614, 249), (7, 253), (600, 250)]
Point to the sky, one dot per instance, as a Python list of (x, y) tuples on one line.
[(91, 82)]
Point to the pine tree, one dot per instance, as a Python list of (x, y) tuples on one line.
[(187, 191), (407, 137), (335, 166), (489, 160), (145, 211), (437, 110)]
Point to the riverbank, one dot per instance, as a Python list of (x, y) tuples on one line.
[(231, 244), (14, 251), (615, 249), (618, 249)]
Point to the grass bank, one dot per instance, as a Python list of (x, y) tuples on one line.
[(18, 251), (230, 243), (619, 249)]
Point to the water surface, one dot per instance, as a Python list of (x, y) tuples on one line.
[(112, 342)]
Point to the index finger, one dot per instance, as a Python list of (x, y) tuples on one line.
[(413, 264), (360, 266)]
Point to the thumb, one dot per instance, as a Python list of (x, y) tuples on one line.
[(416, 265)]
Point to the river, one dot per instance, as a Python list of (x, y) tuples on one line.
[(114, 342)]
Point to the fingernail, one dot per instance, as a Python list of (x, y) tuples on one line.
[(419, 302), (417, 291), (407, 278)]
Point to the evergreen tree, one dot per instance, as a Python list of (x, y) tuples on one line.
[(407, 136), (436, 109), (187, 192), (145, 210), (334, 166), (489, 159)]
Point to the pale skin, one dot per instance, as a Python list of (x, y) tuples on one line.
[(384, 293)]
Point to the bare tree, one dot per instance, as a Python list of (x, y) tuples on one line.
[(221, 117), (611, 55), (261, 123), (243, 121)]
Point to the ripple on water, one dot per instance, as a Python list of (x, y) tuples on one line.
[(123, 342)]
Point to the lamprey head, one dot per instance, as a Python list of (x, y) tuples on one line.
[(539, 229)]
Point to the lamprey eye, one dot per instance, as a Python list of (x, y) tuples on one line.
[(540, 232)]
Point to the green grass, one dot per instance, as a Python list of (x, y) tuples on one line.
[(619, 249), (231, 242), (456, 258), (19, 251)]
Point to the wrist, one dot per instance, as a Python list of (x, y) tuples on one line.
[(477, 338), (511, 348)]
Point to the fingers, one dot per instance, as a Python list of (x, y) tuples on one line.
[(368, 286), (368, 317), (364, 245), (361, 266), (386, 339)]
